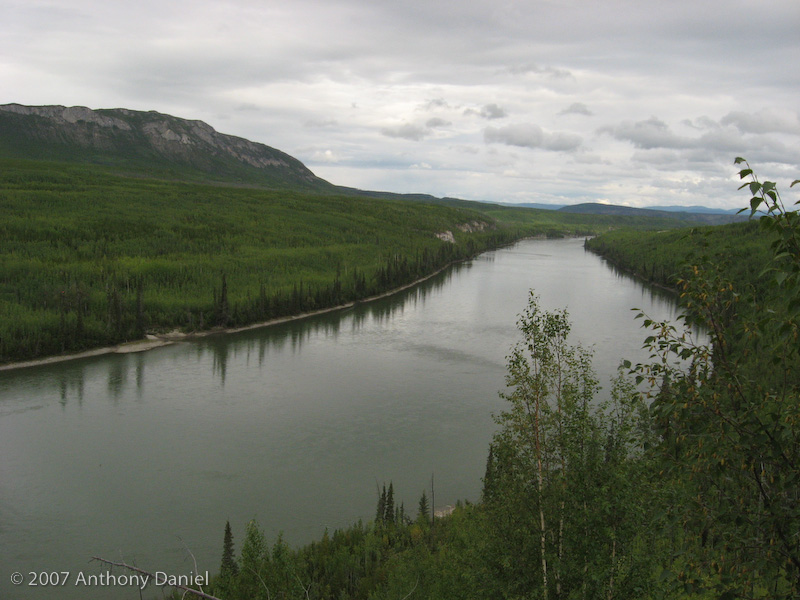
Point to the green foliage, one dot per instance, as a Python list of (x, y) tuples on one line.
[(693, 496), (362, 561), (564, 491), (663, 257), (423, 510), (728, 413), (229, 568), (90, 258)]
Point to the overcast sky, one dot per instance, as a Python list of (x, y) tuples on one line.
[(638, 102)]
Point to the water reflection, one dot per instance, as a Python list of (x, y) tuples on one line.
[(117, 378), (140, 361), (295, 334)]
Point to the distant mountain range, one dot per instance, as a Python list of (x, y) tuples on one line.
[(160, 145), (699, 214), (690, 209), (708, 218)]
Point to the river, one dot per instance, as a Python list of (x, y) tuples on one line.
[(143, 457)]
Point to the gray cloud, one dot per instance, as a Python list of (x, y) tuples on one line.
[(435, 103), (764, 121), (532, 68), (437, 122), (488, 111), (532, 136), (736, 134), (651, 133), (407, 131), (415, 133), (577, 108), (339, 86), (492, 111)]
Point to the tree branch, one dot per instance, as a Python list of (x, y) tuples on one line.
[(152, 575)]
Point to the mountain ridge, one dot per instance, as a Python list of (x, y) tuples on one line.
[(153, 141), (596, 208)]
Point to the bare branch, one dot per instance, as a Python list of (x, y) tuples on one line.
[(412, 589), (186, 589), (194, 560)]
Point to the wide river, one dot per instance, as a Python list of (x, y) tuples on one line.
[(143, 457)]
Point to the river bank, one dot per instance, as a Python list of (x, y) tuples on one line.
[(159, 340)]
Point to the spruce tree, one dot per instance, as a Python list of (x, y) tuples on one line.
[(423, 513), (389, 508), (229, 569), (223, 308), (380, 515), (229, 565)]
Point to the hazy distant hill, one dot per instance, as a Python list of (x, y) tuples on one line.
[(592, 208), (147, 142), (696, 209), (671, 209)]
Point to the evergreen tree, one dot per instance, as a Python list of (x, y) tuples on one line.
[(229, 564), (223, 309), (229, 569), (423, 512), (380, 515), (139, 307), (389, 508)]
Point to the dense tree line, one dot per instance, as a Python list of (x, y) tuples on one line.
[(684, 484)]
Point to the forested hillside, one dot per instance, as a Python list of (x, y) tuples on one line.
[(91, 258), (741, 249)]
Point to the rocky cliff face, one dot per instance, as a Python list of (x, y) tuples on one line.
[(120, 136)]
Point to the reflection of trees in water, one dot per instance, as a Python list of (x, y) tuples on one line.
[(293, 335), (383, 310), (117, 378), (658, 295), (140, 362), (219, 357), (70, 384)]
